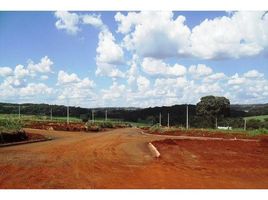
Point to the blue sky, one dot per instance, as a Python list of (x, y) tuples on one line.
[(96, 59)]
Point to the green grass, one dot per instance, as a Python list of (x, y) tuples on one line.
[(38, 118), (64, 119), (260, 117), (10, 125), (249, 133)]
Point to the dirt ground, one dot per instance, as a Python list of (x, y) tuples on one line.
[(120, 158)]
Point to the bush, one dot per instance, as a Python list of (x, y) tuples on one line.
[(10, 125), (254, 124), (11, 130)]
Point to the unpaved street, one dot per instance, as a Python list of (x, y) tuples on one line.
[(120, 158)]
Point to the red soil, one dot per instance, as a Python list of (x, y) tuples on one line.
[(215, 164), (120, 158), (59, 126)]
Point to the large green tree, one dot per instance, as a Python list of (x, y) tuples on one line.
[(212, 108)]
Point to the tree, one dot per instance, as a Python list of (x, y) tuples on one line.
[(212, 108)]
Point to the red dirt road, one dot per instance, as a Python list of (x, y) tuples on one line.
[(120, 158)]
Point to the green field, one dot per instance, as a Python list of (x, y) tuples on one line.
[(64, 119), (260, 117), (38, 118)]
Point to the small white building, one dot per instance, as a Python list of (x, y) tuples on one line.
[(224, 127)]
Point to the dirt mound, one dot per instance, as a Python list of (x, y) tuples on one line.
[(58, 126)]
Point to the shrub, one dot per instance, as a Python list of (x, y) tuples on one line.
[(254, 124), (10, 125)]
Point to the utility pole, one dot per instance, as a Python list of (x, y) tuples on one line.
[(68, 114), (105, 115), (216, 122), (51, 114), (19, 111), (160, 119), (92, 112), (187, 125), (168, 120), (245, 124)]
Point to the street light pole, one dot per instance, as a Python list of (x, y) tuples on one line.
[(19, 111), (187, 125), (92, 112), (50, 114), (168, 120), (160, 119), (105, 115)]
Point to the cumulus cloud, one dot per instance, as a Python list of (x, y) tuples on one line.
[(109, 55), (114, 92), (236, 80), (253, 74), (72, 79), (20, 71), (160, 35), (75, 90), (44, 66), (67, 21), (214, 77), (200, 70), (65, 78), (241, 34), (143, 83), (154, 34), (5, 71), (158, 67), (108, 51), (93, 20), (44, 77), (33, 89)]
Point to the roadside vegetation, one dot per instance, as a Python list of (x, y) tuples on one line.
[(11, 130)]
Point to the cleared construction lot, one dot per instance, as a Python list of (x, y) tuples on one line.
[(120, 158)]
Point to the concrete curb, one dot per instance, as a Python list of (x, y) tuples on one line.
[(153, 150)]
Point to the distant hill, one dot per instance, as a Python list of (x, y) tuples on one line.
[(251, 109)]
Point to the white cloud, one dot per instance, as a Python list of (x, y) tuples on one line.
[(65, 78), (236, 80), (75, 90), (154, 34), (114, 92), (143, 83), (109, 55), (44, 77), (44, 66), (214, 77), (72, 79), (5, 71), (93, 20), (200, 70), (158, 67), (67, 21), (35, 89), (108, 51), (253, 74), (20, 71), (159, 35), (241, 34)]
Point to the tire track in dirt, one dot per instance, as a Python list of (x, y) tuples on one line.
[(118, 158)]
